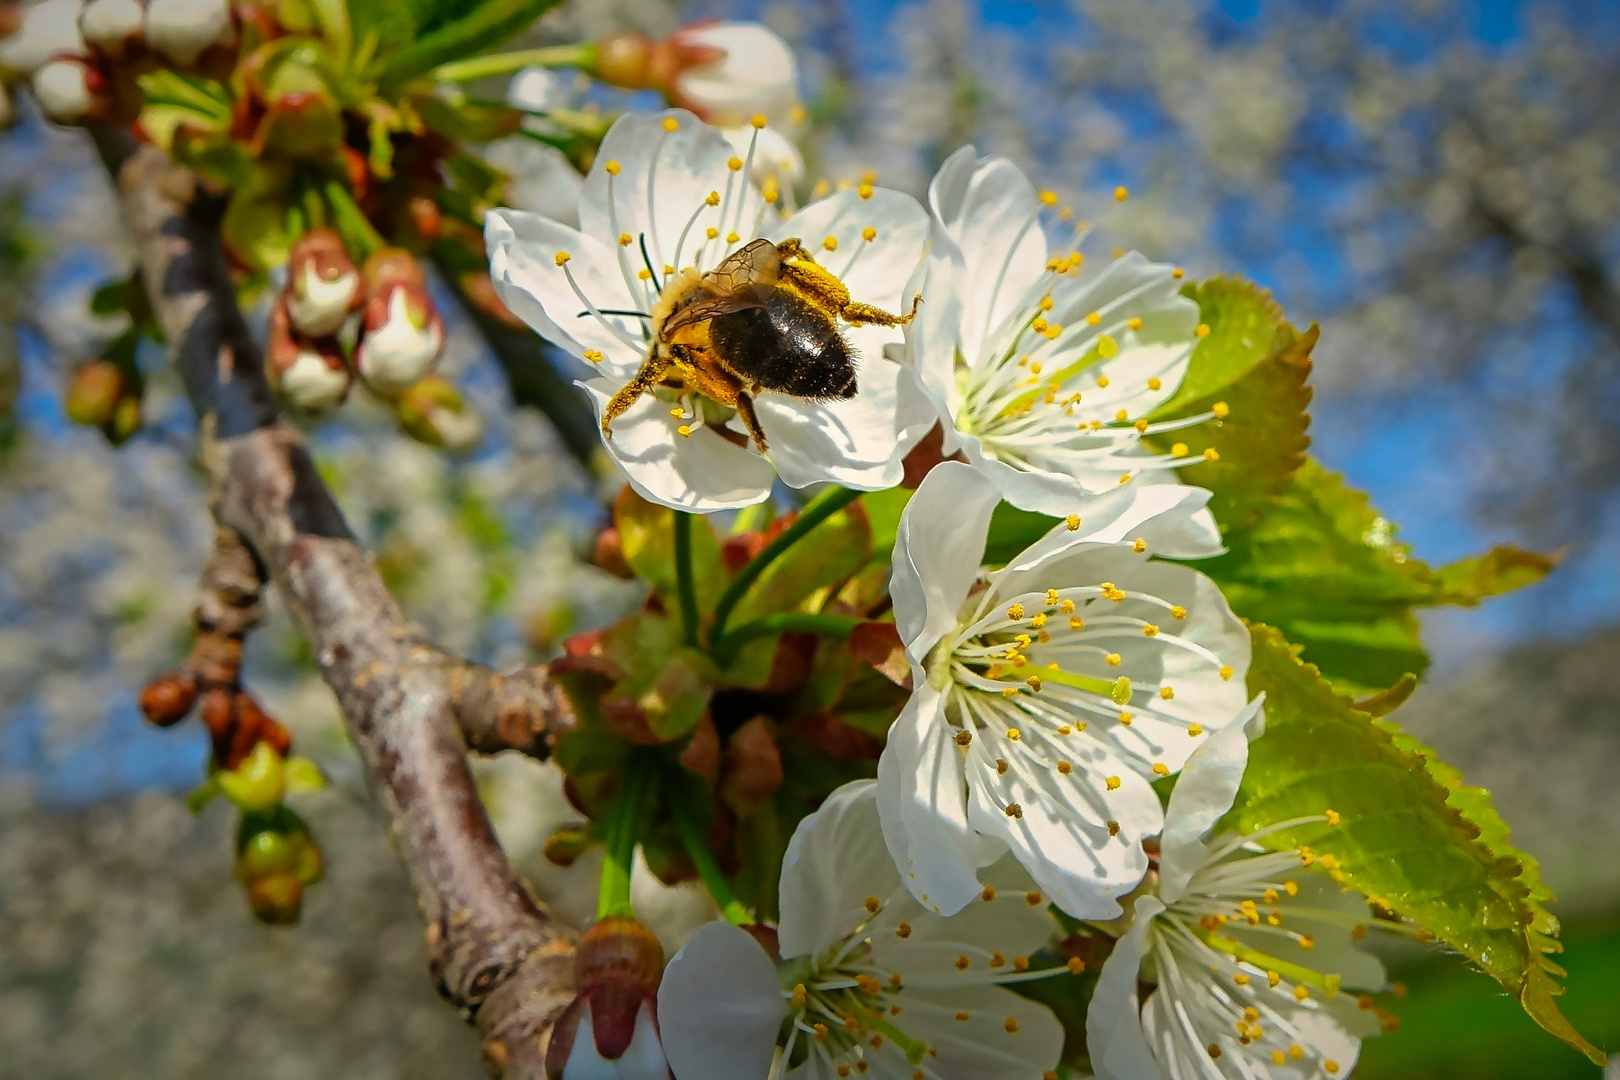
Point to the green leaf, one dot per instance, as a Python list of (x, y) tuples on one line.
[(883, 510), (1322, 565), (806, 574), (647, 532), (1252, 366), (477, 28), (1011, 531), (1411, 835)]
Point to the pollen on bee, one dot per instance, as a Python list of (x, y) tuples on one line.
[(562, 258), (1121, 194), (612, 168), (671, 124)]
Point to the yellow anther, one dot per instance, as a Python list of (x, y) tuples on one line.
[(1075, 965), (1113, 827), (732, 238), (1211, 454), (1075, 623), (1034, 684), (1203, 330), (644, 274), (963, 1017), (1291, 888), (1014, 810), (1048, 198), (1066, 729), (712, 232), (1035, 369), (595, 357), (1038, 324), (1213, 1051), (671, 124), (864, 191), (1094, 318), (1221, 410), (1150, 630), (770, 192), (1279, 1058), (1195, 730), (612, 168), (562, 258), (1046, 302), (1306, 941), (962, 962), (869, 234), (1013, 734), (1064, 768), (1178, 612), (758, 120), (1332, 816), (1117, 252), (988, 894), (1296, 1051), (734, 163), (1127, 717), (872, 904), (830, 243), (1178, 273), (1072, 522), (684, 431), (1167, 692), (1241, 979), (868, 176), (868, 985), (1112, 659), (1141, 426), (1139, 545), (1067, 605), (820, 1031), (1020, 963), (1273, 978), (1178, 449), (1154, 383), (668, 269), (1011, 1025), (902, 930), (1015, 612), (1113, 783), (1358, 931), (1102, 384), (963, 738), (1122, 416), (1330, 1066), (1121, 194), (625, 239), (712, 198), (800, 995), (1161, 769), (998, 959)]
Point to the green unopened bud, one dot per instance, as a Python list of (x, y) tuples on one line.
[(277, 899), (259, 782), (267, 853), (433, 411), (126, 419)]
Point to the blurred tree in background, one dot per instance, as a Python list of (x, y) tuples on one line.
[(1442, 193)]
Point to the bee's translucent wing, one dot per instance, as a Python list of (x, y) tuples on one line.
[(744, 280)]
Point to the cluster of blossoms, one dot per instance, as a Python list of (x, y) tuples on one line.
[(1048, 694)]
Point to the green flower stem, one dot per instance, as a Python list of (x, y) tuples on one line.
[(684, 583), (709, 870), (815, 511), (833, 626), (582, 55), (351, 221), (624, 823)]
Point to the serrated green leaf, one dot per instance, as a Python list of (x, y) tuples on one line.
[(1252, 366), (1411, 835), (803, 576), (1321, 564), (647, 532)]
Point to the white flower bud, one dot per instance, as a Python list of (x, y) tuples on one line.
[(182, 29), (319, 305), (112, 26), (47, 31), (312, 383), (757, 75), (62, 88), (403, 338)]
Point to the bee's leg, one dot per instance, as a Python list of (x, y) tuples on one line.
[(745, 409), (858, 314), (651, 374)]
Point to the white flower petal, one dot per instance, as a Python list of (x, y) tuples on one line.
[(758, 74), (775, 155), (988, 208), (1204, 793), (664, 177), (982, 1047), (1114, 1036), (858, 443), (835, 860), (719, 1007), (700, 472), (923, 807), (523, 249), (937, 553)]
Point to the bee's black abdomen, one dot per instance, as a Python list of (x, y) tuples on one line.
[(788, 346)]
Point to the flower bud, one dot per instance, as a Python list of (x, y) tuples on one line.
[(323, 284), (182, 29), (45, 31), (277, 899), (93, 395), (403, 331), (167, 699), (308, 372), (113, 28), (126, 419), (732, 71), (66, 90), (611, 1027), (432, 411)]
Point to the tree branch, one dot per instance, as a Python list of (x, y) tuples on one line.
[(495, 954)]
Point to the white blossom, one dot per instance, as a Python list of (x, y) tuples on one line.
[(1248, 950), (111, 26), (182, 29), (1050, 693), (870, 981), (667, 195), (48, 30), (1044, 371)]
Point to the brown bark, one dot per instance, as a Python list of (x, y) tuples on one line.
[(410, 707)]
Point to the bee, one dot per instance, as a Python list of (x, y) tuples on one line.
[(764, 319)]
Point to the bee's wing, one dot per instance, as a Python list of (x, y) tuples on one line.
[(744, 280)]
